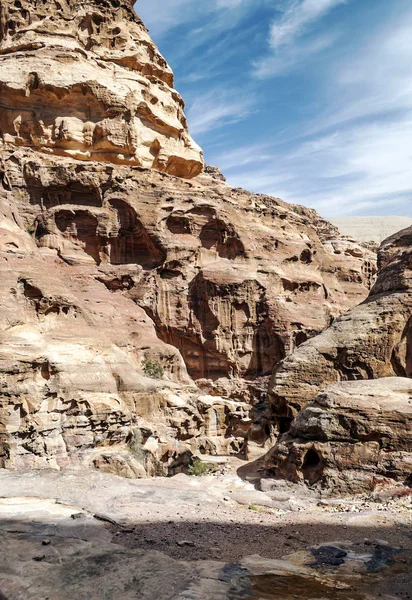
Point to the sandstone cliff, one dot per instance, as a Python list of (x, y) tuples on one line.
[(373, 340), (84, 80), (139, 310), (352, 436)]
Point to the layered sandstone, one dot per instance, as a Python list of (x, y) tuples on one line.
[(84, 80), (140, 312), (354, 437), (371, 341), (106, 268)]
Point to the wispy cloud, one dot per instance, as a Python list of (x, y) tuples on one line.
[(278, 63), (165, 15), (335, 136), (217, 108), (286, 48), (300, 15)]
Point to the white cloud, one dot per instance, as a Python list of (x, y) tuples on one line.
[(286, 46), (216, 109), (297, 18), (160, 16), (278, 63), (365, 169), (356, 157), (163, 15)]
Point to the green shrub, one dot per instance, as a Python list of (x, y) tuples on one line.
[(299, 210), (152, 368), (199, 468), (135, 445)]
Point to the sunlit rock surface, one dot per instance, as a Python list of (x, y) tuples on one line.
[(354, 437), (84, 79), (141, 312)]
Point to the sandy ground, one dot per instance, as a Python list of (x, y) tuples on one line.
[(224, 518)]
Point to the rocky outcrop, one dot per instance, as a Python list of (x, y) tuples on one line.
[(140, 312), (371, 341), (113, 276), (355, 437), (84, 80)]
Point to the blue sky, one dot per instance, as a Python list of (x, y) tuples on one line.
[(306, 100)]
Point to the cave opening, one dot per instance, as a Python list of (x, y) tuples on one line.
[(312, 468), (73, 193), (219, 235), (268, 350), (81, 226), (130, 242)]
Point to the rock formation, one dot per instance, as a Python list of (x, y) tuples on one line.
[(139, 310), (372, 340), (84, 80), (355, 435)]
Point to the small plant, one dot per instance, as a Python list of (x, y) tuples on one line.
[(199, 468), (253, 507), (31, 229), (299, 210), (135, 445), (152, 368)]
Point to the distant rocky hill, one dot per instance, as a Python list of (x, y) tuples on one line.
[(371, 229)]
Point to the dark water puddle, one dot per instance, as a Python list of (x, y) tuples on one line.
[(275, 587), (380, 562)]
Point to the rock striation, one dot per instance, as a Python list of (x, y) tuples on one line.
[(350, 391), (354, 437), (371, 341), (84, 80), (140, 311)]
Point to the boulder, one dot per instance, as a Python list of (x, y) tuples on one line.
[(355, 437)]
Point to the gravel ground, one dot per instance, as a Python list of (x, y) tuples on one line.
[(223, 518)]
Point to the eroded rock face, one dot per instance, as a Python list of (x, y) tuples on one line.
[(355, 437), (84, 79), (371, 341), (114, 274), (108, 268)]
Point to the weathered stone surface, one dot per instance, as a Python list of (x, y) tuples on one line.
[(105, 268), (115, 274), (84, 79), (56, 549), (371, 341), (355, 436)]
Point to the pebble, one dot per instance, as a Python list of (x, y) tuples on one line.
[(185, 543)]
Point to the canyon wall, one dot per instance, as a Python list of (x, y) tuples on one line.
[(343, 398), (144, 302), (84, 80)]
